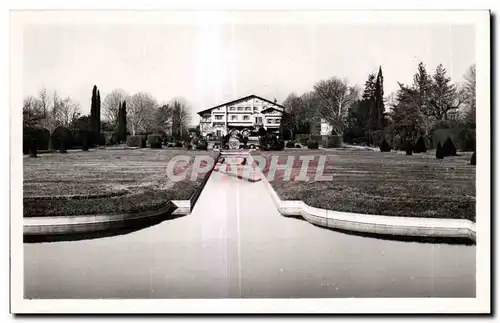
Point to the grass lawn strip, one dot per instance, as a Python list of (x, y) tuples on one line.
[(383, 184)]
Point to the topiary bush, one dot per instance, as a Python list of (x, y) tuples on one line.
[(32, 148), (298, 146), (312, 144), (290, 144), (189, 146), (384, 146), (202, 145), (420, 146), (136, 141), (439, 151), (449, 148), (277, 144), (61, 138), (409, 149), (473, 159), (155, 141), (178, 144), (41, 136)]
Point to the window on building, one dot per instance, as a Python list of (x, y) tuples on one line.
[(248, 108), (240, 108), (232, 109), (255, 109), (277, 120), (258, 120), (234, 117), (246, 118), (218, 117)]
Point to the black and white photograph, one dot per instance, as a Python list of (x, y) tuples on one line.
[(292, 161)]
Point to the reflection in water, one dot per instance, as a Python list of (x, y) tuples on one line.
[(144, 223), (245, 248)]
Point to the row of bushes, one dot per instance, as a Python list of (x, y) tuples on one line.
[(60, 137)]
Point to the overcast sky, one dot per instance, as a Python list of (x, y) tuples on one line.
[(208, 65)]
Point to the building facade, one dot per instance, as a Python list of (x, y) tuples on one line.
[(241, 116)]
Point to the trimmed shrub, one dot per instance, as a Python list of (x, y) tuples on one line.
[(298, 146), (290, 144), (32, 147), (439, 151), (409, 149), (420, 146), (61, 137), (449, 148), (136, 141), (189, 146), (312, 144), (202, 145), (85, 143), (156, 145), (62, 147), (252, 146), (331, 141), (384, 146), (41, 136), (277, 144), (154, 141), (473, 159), (398, 143), (178, 144)]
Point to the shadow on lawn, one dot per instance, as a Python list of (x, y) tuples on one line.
[(433, 240), (130, 227)]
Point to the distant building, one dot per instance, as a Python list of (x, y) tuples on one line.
[(241, 116)]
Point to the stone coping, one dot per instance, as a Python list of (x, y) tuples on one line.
[(375, 224), (53, 225)]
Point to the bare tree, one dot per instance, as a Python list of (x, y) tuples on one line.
[(111, 104), (468, 93), (163, 118), (68, 111), (334, 98), (181, 117), (140, 112), (33, 113)]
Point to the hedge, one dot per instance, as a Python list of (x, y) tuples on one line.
[(136, 141), (61, 135), (41, 136), (312, 144), (331, 141)]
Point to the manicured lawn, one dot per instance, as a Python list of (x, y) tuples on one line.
[(104, 181), (372, 182)]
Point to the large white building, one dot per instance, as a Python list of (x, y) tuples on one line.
[(241, 116)]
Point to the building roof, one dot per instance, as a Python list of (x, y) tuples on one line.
[(253, 96), (269, 109)]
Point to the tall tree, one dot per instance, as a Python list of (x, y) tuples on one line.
[(334, 98), (181, 117), (444, 96), (112, 104), (379, 101), (122, 122), (98, 112), (140, 114), (407, 119), (469, 96), (93, 110), (163, 118)]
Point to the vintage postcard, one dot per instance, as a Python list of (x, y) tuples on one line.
[(250, 161)]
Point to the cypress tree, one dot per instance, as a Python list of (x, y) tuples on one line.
[(93, 107), (439, 151), (379, 111), (98, 112)]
